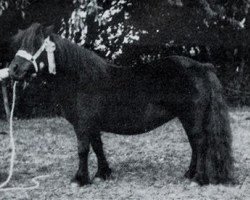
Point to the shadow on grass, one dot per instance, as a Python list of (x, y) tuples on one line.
[(149, 170)]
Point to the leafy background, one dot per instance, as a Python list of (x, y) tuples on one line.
[(130, 32)]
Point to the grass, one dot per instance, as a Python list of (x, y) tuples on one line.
[(148, 166)]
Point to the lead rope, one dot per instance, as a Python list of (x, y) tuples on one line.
[(12, 142), (13, 153)]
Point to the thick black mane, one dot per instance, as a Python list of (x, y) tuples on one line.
[(75, 59)]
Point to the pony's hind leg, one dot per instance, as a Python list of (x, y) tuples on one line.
[(103, 171), (193, 124), (187, 125)]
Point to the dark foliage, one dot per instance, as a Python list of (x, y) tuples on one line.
[(165, 21)]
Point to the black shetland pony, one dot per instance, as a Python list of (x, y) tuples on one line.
[(98, 96)]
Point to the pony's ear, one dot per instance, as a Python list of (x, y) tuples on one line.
[(48, 30)]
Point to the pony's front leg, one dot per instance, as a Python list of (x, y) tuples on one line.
[(82, 174), (103, 171)]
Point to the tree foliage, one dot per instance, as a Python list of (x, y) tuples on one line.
[(129, 32), (102, 26), (107, 25)]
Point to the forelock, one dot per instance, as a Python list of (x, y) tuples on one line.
[(28, 39)]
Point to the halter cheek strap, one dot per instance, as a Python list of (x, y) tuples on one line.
[(27, 56), (50, 47)]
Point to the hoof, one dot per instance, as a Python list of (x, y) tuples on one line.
[(201, 180), (104, 174), (79, 181), (189, 174), (74, 185), (194, 184), (97, 180)]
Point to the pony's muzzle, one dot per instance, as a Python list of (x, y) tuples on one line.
[(12, 70), (15, 72)]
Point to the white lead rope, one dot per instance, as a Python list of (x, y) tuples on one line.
[(50, 47), (12, 142), (13, 154)]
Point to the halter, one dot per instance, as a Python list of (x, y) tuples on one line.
[(49, 47)]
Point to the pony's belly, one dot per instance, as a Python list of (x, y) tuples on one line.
[(128, 120)]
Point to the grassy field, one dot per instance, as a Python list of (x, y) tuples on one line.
[(149, 166)]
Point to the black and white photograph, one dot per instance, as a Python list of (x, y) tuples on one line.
[(125, 99)]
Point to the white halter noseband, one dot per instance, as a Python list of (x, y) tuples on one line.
[(49, 47)]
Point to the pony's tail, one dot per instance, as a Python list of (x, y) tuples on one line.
[(219, 160)]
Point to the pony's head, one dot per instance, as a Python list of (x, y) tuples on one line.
[(31, 58)]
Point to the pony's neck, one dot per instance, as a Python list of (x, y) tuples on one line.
[(78, 63)]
